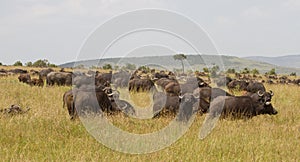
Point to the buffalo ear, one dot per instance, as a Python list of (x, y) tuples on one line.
[(271, 92)]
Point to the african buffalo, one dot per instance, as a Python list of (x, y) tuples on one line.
[(80, 80), (165, 104), (237, 85), (188, 107), (25, 78), (241, 107), (104, 78), (69, 102), (254, 87), (44, 72), (59, 78), (163, 82), (161, 74), (121, 79), (140, 85), (94, 100), (13, 110), (18, 71), (173, 88), (223, 81), (206, 95), (37, 82), (89, 100)]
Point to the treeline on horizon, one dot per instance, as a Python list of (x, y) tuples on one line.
[(37, 63), (211, 70)]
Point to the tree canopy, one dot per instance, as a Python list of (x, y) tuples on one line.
[(180, 57), (18, 63)]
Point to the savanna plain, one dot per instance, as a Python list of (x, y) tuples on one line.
[(46, 132)]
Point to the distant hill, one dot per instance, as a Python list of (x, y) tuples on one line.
[(286, 61), (194, 61)]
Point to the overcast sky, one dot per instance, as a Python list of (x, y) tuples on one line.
[(56, 29)]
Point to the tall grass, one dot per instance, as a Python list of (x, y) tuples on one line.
[(45, 133)]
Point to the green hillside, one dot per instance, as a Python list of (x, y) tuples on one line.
[(196, 62)]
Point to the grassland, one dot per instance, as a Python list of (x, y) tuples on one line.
[(45, 133)]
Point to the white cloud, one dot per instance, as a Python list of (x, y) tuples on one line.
[(292, 4), (224, 20), (38, 10), (255, 12)]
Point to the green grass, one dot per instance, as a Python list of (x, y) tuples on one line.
[(45, 133)]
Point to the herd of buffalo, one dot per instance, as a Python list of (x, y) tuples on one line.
[(94, 92)]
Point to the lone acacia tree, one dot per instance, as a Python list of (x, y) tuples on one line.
[(180, 57)]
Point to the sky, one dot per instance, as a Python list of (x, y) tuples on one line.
[(57, 29)]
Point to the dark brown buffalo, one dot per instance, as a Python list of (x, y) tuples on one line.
[(18, 71), (237, 85), (196, 80), (59, 78), (170, 86), (140, 85), (103, 78), (206, 95), (44, 72), (241, 107), (161, 74), (3, 71), (33, 72), (121, 82), (223, 81), (120, 79), (94, 100), (83, 79), (91, 101), (69, 102), (173, 88), (121, 106), (165, 104), (296, 81), (163, 82), (13, 110), (188, 107), (262, 96), (25, 78), (254, 87), (37, 82)]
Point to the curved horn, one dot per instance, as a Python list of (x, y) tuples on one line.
[(271, 92), (106, 88), (124, 107), (260, 93), (110, 94)]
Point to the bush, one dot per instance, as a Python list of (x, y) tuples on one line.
[(18, 63), (29, 64), (255, 71), (130, 66), (272, 72), (205, 70), (145, 68), (40, 63), (107, 67), (293, 74), (245, 71), (231, 71)]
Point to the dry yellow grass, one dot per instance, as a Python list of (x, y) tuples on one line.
[(45, 133)]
